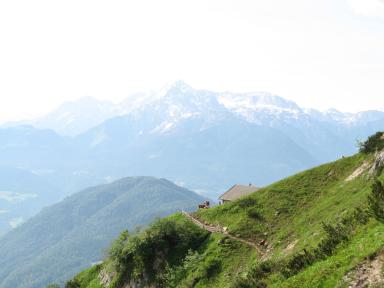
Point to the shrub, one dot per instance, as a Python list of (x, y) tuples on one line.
[(335, 235), (73, 283), (116, 250), (361, 216), (254, 214), (373, 143), (172, 276), (245, 282), (261, 270), (164, 244), (197, 264), (255, 275), (212, 268), (376, 201), (246, 202)]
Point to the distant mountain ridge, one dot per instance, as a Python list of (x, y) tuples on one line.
[(76, 117)]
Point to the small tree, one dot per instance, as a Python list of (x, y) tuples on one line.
[(116, 252), (376, 200), (74, 283), (372, 144)]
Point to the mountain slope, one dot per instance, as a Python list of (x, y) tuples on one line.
[(316, 228), (71, 234), (76, 117)]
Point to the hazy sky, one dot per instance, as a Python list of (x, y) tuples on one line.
[(319, 53)]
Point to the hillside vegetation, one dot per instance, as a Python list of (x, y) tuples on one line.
[(320, 228)]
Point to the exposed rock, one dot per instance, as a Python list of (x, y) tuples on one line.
[(374, 168), (106, 278), (359, 171), (378, 164), (367, 274), (290, 247)]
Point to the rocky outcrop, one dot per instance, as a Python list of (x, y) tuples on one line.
[(367, 274), (359, 171), (378, 165), (143, 281), (106, 278), (373, 167)]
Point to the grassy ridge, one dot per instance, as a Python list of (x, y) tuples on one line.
[(295, 207), (290, 215)]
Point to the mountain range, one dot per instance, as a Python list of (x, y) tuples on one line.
[(203, 140)]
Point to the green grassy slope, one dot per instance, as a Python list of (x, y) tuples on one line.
[(294, 208), (292, 217)]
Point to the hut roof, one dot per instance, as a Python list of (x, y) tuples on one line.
[(238, 191)]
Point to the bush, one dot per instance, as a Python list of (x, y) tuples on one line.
[(163, 245), (255, 275), (372, 144), (172, 276), (116, 250), (335, 235), (376, 201), (74, 283), (246, 202), (212, 268), (248, 283), (200, 267), (261, 270), (254, 214), (298, 262)]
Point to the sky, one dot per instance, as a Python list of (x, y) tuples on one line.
[(320, 54)]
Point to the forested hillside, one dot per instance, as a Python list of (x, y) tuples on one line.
[(74, 233)]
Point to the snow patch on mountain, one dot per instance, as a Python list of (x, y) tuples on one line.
[(99, 138), (163, 127), (255, 106)]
